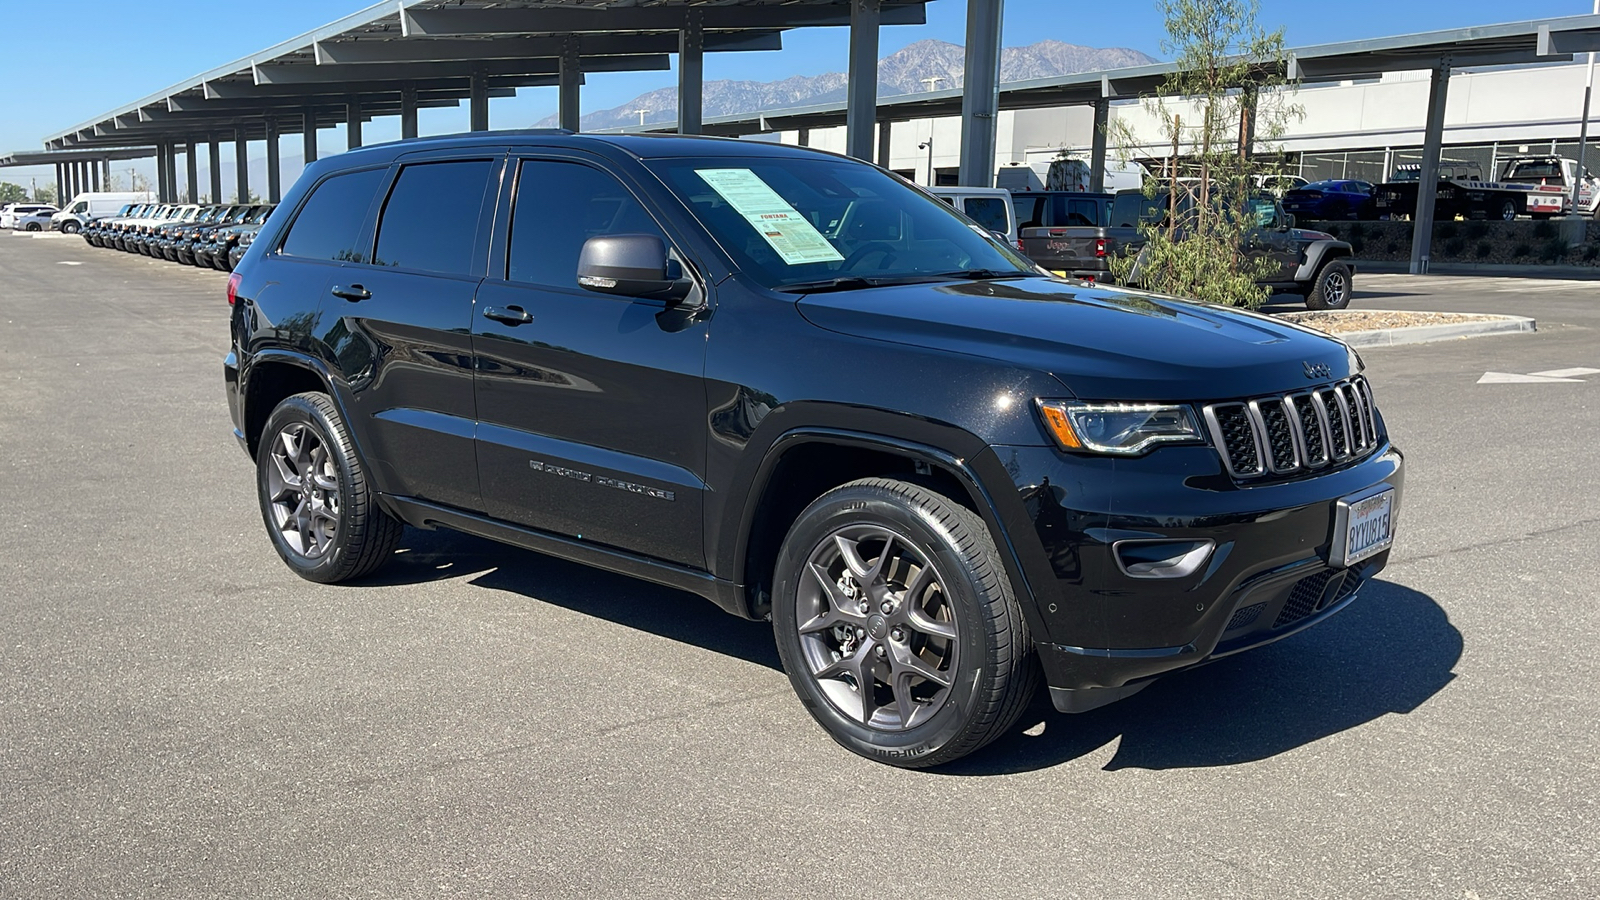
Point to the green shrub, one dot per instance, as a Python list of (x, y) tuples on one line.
[(1521, 249), (1543, 229), (1357, 244), (1483, 250), (1448, 230), (1477, 231), (1553, 250), (1356, 231), (1590, 251), (1454, 246)]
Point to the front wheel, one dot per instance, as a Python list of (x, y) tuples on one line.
[(318, 506), (70, 227), (1331, 287), (897, 626)]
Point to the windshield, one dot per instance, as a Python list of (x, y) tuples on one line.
[(804, 221)]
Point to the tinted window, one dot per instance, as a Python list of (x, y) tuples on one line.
[(1027, 210), (330, 223), (430, 221), (990, 212), (561, 205)]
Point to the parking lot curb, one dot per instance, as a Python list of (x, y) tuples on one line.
[(1426, 334), (1491, 270)]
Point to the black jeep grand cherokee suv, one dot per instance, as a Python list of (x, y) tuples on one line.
[(793, 384)]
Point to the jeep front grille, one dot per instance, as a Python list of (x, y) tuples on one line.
[(1284, 434)]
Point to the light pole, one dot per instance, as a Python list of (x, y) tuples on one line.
[(641, 113), (1583, 126), (932, 81), (928, 146)]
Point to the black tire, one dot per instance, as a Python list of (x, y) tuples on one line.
[(31, 226), (986, 654), (1331, 287), (70, 227), (363, 536), (1506, 211)]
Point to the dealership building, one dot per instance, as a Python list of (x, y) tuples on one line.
[(1348, 129)]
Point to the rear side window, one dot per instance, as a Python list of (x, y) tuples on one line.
[(330, 223), (561, 205), (430, 221), (990, 212)]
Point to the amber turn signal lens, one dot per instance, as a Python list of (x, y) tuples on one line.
[(1060, 428)]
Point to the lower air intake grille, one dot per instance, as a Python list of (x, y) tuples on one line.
[(1303, 599), (1245, 616)]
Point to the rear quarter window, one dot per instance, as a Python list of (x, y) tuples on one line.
[(990, 212), (329, 225)]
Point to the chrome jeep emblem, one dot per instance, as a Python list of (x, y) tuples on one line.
[(1317, 370)]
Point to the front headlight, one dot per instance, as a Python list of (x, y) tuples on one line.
[(1122, 429)]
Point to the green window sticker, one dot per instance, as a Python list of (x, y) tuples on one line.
[(780, 224)]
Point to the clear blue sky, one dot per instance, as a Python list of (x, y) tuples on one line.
[(122, 51)]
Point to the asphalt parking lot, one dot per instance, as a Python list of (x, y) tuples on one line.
[(181, 716)]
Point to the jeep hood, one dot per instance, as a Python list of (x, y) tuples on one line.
[(1100, 343)]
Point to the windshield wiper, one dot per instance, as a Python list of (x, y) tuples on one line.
[(987, 274), (852, 283)]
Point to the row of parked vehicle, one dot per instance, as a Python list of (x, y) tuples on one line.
[(215, 235)]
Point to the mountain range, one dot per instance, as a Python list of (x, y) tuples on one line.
[(927, 65)]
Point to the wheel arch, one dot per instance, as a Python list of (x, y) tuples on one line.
[(274, 375), (1318, 252), (785, 484)]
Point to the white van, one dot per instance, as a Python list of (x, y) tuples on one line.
[(989, 207), (95, 205)]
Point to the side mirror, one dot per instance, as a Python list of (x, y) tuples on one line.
[(1287, 222), (630, 265)]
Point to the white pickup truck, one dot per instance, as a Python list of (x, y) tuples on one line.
[(1553, 177)]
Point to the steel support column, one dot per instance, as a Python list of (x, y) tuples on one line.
[(1097, 145), (61, 181), (980, 101), (568, 79), (408, 111), (1428, 183), (691, 74), (162, 194), (105, 175), (1583, 132), (192, 164), (216, 170), (352, 123), (241, 165), (883, 143), (94, 177), (479, 101), (861, 92), (308, 136), (274, 176)]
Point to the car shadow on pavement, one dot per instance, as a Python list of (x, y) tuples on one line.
[(676, 615), (1389, 652)]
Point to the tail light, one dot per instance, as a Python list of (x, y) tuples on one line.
[(1020, 248), (1100, 248), (233, 288)]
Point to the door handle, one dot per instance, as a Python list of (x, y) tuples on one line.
[(352, 293), (511, 315)]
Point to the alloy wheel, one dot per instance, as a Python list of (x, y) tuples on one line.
[(877, 628), (303, 490), (1333, 288)]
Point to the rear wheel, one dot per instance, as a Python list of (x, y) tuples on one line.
[(1331, 287), (897, 626), (1507, 211), (318, 506), (31, 226)]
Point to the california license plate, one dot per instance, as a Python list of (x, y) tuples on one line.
[(1363, 526)]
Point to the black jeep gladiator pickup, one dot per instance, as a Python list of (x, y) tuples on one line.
[(790, 383)]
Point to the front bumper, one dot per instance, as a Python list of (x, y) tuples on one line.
[(1100, 632)]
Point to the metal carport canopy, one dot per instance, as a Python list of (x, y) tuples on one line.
[(399, 54)]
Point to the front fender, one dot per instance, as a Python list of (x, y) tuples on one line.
[(1317, 251)]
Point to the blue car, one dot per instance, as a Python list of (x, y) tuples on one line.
[(1323, 200)]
